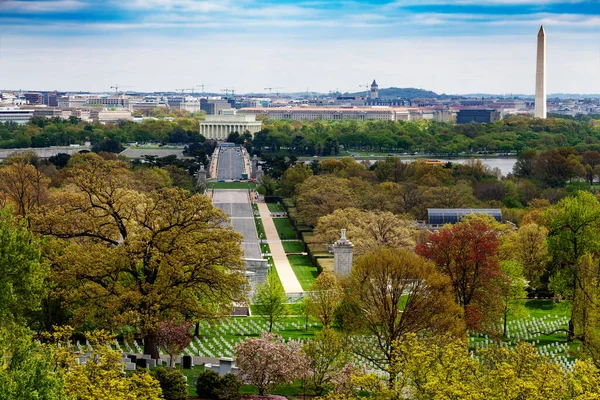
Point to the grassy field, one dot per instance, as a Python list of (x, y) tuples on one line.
[(540, 308), (264, 248), (304, 270), (231, 185), (274, 207), (284, 228), (293, 247), (260, 230)]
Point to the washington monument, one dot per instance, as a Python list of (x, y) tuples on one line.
[(540, 76)]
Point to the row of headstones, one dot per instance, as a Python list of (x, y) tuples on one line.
[(218, 346), (248, 327), (530, 328)]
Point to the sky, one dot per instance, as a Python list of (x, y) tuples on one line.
[(448, 46)]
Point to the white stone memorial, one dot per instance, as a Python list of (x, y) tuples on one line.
[(342, 256)]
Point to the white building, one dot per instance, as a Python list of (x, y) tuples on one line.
[(379, 113), (106, 116), (9, 114), (221, 125)]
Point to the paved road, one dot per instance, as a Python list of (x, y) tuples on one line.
[(237, 205), (231, 163)]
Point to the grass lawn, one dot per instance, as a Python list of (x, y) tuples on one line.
[(541, 308), (260, 230), (304, 270), (284, 228), (274, 207), (231, 185), (264, 248), (298, 389), (293, 247)]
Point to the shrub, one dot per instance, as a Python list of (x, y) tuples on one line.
[(228, 387), (212, 387), (172, 382), (206, 384)]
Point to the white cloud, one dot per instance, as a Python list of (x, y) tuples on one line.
[(41, 6), (504, 64), (401, 3)]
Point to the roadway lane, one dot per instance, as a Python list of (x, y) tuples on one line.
[(237, 205), (231, 164)]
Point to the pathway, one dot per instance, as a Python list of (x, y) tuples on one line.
[(288, 278)]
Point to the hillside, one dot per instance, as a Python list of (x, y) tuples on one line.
[(402, 93)]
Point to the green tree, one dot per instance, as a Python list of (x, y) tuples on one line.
[(324, 297), (21, 272), (328, 357), (27, 371), (573, 225), (395, 292), (101, 377), (270, 301), (293, 177), (512, 288), (135, 258), (367, 229)]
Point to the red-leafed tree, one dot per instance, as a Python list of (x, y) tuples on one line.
[(174, 337), (467, 254)]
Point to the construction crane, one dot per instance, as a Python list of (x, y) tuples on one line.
[(270, 89), (202, 85), (183, 90), (367, 88), (117, 86), (227, 90)]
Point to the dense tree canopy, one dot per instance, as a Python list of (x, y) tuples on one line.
[(135, 257)]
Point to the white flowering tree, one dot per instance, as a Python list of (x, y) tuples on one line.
[(268, 361)]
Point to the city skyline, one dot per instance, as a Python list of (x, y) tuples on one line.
[(448, 47)]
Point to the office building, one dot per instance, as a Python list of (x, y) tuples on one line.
[(184, 103), (112, 101), (438, 217), (104, 116), (50, 99), (480, 115), (214, 106), (10, 114), (33, 98)]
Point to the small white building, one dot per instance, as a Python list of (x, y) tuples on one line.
[(227, 121), (12, 114)]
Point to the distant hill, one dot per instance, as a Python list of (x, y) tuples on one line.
[(401, 93)]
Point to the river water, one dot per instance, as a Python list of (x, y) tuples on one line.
[(504, 164)]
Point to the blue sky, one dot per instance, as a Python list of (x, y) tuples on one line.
[(452, 46)]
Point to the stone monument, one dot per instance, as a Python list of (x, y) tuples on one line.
[(259, 174), (202, 176), (540, 76), (342, 256), (254, 165)]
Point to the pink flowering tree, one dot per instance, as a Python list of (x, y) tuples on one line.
[(268, 361), (174, 337)]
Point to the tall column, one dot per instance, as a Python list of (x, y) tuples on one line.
[(540, 76)]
